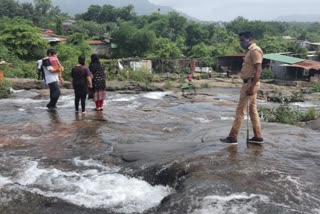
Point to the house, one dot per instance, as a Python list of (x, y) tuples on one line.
[(52, 38), (67, 23), (230, 63), (314, 46), (292, 68), (188, 63), (101, 48), (303, 43)]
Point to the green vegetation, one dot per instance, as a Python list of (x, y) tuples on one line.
[(168, 85), (5, 89), (155, 35), (266, 74), (286, 114), (316, 88), (205, 85)]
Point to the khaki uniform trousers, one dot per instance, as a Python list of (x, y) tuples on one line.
[(242, 109)]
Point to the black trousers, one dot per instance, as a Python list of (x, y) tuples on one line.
[(83, 102), (54, 94), (41, 74)]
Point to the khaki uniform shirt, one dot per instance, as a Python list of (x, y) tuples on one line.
[(254, 55)]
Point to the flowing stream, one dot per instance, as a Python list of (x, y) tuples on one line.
[(144, 154)]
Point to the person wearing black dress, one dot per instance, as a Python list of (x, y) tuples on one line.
[(98, 72), (81, 79)]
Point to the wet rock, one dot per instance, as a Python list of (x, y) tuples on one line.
[(314, 124), (132, 157), (282, 82), (167, 175), (130, 86), (28, 84), (306, 90)]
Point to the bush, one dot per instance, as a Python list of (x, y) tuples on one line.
[(21, 69), (286, 114), (311, 114), (205, 85), (316, 88), (139, 75), (204, 76), (5, 89), (168, 85), (266, 74)]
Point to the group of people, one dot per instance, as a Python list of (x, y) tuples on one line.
[(85, 80), (93, 78)]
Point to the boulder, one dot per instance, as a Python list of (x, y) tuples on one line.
[(130, 86)]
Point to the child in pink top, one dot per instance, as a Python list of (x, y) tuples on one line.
[(54, 61)]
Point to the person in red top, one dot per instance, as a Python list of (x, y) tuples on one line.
[(190, 78)]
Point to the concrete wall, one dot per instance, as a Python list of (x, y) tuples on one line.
[(102, 50)]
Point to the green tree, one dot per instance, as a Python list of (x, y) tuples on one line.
[(272, 44), (177, 25), (9, 8), (76, 38), (93, 13), (126, 13), (196, 34), (200, 51), (165, 48), (160, 27), (107, 14), (21, 38), (91, 28), (59, 26), (181, 44), (142, 41), (27, 11), (43, 6), (224, 42)]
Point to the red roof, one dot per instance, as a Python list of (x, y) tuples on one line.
[(48, 31), (96, 42), (307, 64)]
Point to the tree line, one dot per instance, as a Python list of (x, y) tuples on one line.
[(154, 35)]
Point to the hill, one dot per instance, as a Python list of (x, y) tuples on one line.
[(142, 7), (299, 18)]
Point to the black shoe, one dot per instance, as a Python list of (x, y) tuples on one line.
[(229, 141), (51, 108), (256, 140)]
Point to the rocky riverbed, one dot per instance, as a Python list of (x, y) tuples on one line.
[(144, 154)]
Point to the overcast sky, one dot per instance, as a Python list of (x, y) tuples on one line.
[(226, 10)]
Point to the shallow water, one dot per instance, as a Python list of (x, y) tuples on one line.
[(143, 154)]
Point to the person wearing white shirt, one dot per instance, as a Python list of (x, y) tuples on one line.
[(52, 80)]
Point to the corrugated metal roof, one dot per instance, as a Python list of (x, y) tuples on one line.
[(282, 58), (307, 64)]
